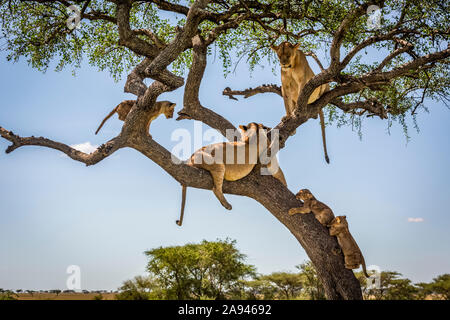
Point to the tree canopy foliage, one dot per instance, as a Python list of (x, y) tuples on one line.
[(37, 31)]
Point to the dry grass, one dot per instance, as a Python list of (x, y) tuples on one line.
[(65, 296)]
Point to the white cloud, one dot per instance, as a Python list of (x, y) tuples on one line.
[(415, 219), (86, 147)]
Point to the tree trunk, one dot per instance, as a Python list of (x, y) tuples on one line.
[(339, 283)]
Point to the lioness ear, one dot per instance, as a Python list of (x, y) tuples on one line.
[(296, 46), (261, 126), (274, 47)]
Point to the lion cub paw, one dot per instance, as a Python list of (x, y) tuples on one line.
[(293, 211), (336, 251)]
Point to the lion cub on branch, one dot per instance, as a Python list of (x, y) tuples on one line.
[(310, 204), (352, 253), (123, 108), (295, 73), (232, 161)]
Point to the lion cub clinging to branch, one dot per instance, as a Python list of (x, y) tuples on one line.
[(232, 161), (352, 254), (310, 204), (295, 73), (123, 108)]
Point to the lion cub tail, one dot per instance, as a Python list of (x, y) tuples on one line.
[(183, 204), (107, 117)]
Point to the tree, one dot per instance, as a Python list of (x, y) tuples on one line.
[(287, 284), (30, 292), (7, 295), (401, 289), (439, 287), (130, 36), (197, 271), (392, 287), (55, 291), (311, 281), (140, 288), (256, 289)]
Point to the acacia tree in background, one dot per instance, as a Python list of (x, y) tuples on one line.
[(140, 288), (7, 295), (209, 269), (131, 36), (392, 287), (311, 282), (439, 287), (288, 284)]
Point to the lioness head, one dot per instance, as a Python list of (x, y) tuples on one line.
[(168, 109), (304, 194), (337, 225), (286, 53), (253, 130)]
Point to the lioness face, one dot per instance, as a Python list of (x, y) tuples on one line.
[(253, 130), (286, 53), (304, 194), (337, 225), (169, 109)]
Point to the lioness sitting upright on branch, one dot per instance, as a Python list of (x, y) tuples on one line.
[(295, 73)]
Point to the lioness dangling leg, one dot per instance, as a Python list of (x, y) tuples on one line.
[(218, 173), (206, 161)]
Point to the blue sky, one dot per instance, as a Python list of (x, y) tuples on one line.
[(55, 212)]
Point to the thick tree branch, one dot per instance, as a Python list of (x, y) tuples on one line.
[(101, 153), (192, 107), (127, 37), (181, 42), (135, 80)]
